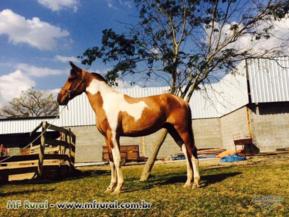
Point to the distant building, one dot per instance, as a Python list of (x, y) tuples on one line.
[(251, 103)]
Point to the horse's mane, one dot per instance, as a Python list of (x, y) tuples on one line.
[(98, 77)]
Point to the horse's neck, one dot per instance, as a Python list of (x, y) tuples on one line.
[(98, 91), (99, 86)]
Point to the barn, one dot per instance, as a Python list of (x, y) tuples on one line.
[(250, 104)]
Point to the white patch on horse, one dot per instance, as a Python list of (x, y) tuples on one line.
[(133, 109), (114, 102), (96, 86)]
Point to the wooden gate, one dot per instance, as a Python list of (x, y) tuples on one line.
[(42, 156)]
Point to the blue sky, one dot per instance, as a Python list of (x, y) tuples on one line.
[(38, 37)]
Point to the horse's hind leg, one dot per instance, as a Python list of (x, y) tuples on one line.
[(191, 151), (180, 143), (189, 167)]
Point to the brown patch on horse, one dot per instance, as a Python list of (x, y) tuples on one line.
[(169, 104), (151, 119)]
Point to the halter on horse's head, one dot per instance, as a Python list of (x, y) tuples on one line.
[(75, 85)]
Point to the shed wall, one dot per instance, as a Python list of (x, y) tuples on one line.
[(234, 126), (207, 133), (271, 126)]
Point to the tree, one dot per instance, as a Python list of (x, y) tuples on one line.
[(31, 103), (188, 42)]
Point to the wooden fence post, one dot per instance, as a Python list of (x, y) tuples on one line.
[(70, 141), (41, 151), (73, 142)]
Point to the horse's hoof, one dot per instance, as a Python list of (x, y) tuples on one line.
[(196, 185), (187, 185), (108, 190), (115, 192)]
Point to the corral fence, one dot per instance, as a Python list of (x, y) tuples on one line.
[(45, 157)]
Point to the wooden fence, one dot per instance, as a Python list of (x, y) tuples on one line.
[(43, 154)]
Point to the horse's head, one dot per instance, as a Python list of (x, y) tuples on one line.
[(75, 85)]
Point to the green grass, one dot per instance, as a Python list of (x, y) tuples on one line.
[(230, 191)]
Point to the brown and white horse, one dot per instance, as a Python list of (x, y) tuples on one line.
[(120, 115)]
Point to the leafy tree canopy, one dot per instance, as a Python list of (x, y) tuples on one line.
[(188, 41)]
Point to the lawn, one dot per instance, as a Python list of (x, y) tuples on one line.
[(258, 187)]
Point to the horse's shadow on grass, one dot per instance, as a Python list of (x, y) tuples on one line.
[(205, 179), (76, 174), (135, 185), (12, 193), (177, 178)]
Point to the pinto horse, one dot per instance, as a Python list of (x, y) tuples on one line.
[(120, 115)]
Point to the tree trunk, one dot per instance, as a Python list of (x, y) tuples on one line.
[(151, 160)]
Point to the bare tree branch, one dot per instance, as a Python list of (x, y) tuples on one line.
[(31, 103)]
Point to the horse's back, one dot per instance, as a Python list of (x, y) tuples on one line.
[(165, 99)]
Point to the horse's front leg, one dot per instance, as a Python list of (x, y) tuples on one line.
[(117, 160), (113, 179)]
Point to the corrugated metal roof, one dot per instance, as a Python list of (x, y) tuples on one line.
[(269, 79), (22, 126), (217, 99)]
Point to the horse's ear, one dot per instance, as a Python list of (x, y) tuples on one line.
[(75, 69), (73, 66)]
